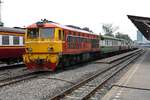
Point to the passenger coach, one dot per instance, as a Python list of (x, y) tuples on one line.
[(11, 44)]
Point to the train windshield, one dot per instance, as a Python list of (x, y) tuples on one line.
[(40, 33), (33, 33), (47, 33)]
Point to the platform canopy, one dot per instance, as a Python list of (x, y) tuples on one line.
[(142, 23)]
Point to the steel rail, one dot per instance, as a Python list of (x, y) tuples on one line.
[(20, 78), (12, 66)]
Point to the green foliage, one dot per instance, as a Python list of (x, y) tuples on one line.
[(109, 29)]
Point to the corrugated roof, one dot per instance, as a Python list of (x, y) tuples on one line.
[(142, 23)]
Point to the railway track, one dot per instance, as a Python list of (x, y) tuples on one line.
[(14, 73), (13, 70), (15, 79), (88, 87), (20, 78), (12, 66)]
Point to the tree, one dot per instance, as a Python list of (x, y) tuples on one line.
[(109, 29)]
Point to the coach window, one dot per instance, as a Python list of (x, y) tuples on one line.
[(33, 33), (68, 39), (5, 40), (105, 42), (16, 40), (111, 42)]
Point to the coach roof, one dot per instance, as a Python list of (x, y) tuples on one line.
[(13, 30)]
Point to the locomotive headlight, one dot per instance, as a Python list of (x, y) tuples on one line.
[(29, 49), (50, 49)]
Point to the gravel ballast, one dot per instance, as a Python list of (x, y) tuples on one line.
[(46, 86)]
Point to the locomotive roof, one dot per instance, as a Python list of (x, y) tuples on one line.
[(13, 30), (53, 24)]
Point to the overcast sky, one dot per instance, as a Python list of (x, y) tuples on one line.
[(83, 13)]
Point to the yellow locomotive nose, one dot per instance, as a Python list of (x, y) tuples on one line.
[(42, 54)]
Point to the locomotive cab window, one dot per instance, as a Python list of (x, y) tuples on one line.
[(33, 33), (47, 33), (61, 35)]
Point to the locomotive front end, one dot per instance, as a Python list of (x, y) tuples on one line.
[(43, 46)]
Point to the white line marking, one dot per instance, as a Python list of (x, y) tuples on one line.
[(118, 93), (116, 96), (115, 99)]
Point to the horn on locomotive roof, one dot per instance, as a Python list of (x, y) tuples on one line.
[(44, 20)]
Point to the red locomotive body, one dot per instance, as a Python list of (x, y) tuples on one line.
[(80, 42)]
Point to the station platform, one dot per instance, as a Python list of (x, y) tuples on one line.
[(135, 84)]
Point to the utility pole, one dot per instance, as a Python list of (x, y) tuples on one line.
[(1, 23), (0, 10)]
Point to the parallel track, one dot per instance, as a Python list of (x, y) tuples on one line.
[(19, 78), (26, 75), (85, 89), (12, 66)]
